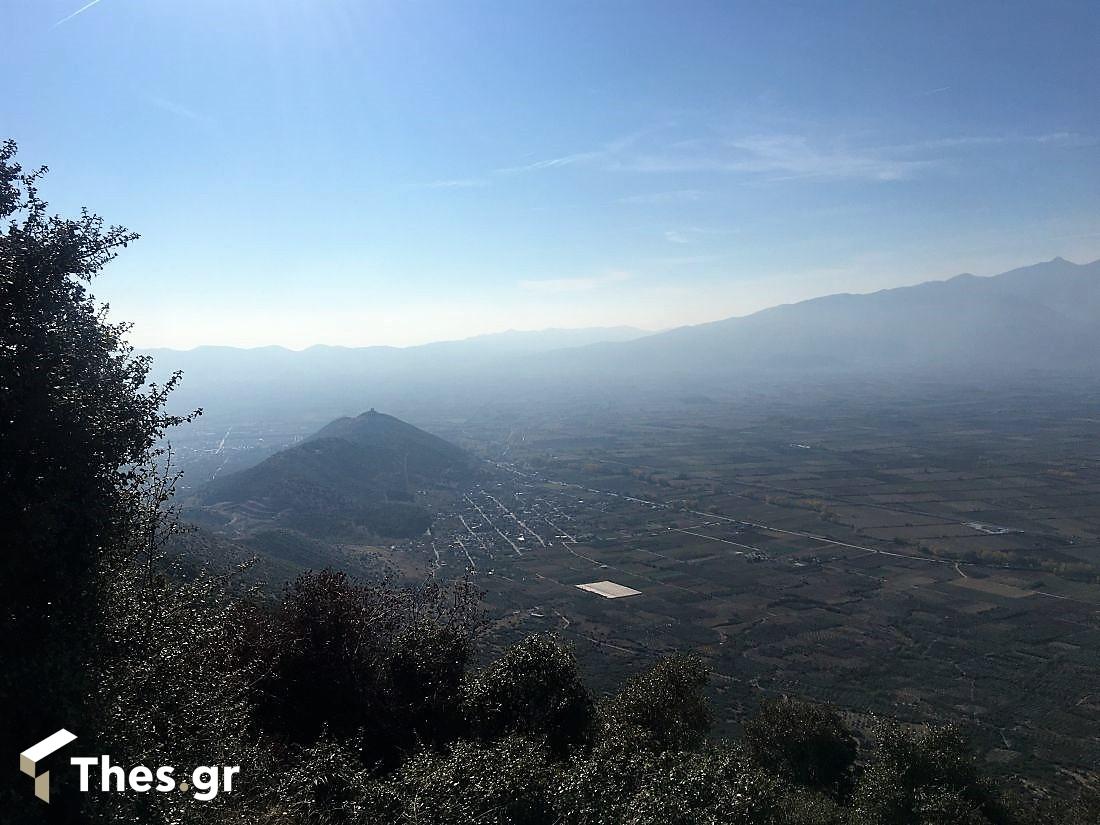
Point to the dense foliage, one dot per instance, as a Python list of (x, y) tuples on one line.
[(344, 702), (804, 743), (334, 652), (78, 428)]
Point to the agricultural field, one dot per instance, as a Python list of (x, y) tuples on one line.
[(922, 553), (937, 564)]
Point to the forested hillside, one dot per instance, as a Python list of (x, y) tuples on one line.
[(358, 473)]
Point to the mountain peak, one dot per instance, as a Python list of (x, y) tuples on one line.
[(362, 473)]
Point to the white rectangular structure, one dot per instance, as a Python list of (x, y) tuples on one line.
[(609, 590)]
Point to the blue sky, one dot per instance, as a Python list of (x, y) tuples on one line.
[(354, 172)]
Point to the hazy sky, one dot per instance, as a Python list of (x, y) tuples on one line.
[(356, 172)]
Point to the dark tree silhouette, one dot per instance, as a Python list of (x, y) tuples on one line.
[(666, 705), (378, 665), (533, 689), (803, 742), (76, 420)]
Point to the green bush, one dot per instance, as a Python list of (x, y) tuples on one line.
[(805, 743), (533, 689)]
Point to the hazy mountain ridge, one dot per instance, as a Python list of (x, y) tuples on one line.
[(1038, 319), (1044, 316), (493, 345), (317, 383)]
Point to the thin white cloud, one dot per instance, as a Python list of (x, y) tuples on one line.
[(784, 157), (788, 156), (1063, 139), (605, 152), (693, 234), (81, 10), (1056, 139), (675, 196), (177, 109), (685, 260), (797, 157), (552, 163), (453, 183), (560, 285)]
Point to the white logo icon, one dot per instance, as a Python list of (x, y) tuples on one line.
[(29, 759)]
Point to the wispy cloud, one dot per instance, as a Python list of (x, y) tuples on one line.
[(559, 285), (693, 234), (675, 196), (785, 157), (177, 109), (609, 150), (452, 183), (684, 260), (552, 163), (1055, 139), (81, 10)]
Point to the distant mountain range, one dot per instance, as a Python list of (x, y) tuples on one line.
[(1044, 317), (217, 365), (362, 477), (314, 384), (1041, 318)]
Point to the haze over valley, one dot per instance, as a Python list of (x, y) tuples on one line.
[(886, 502), (1037, 321)]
